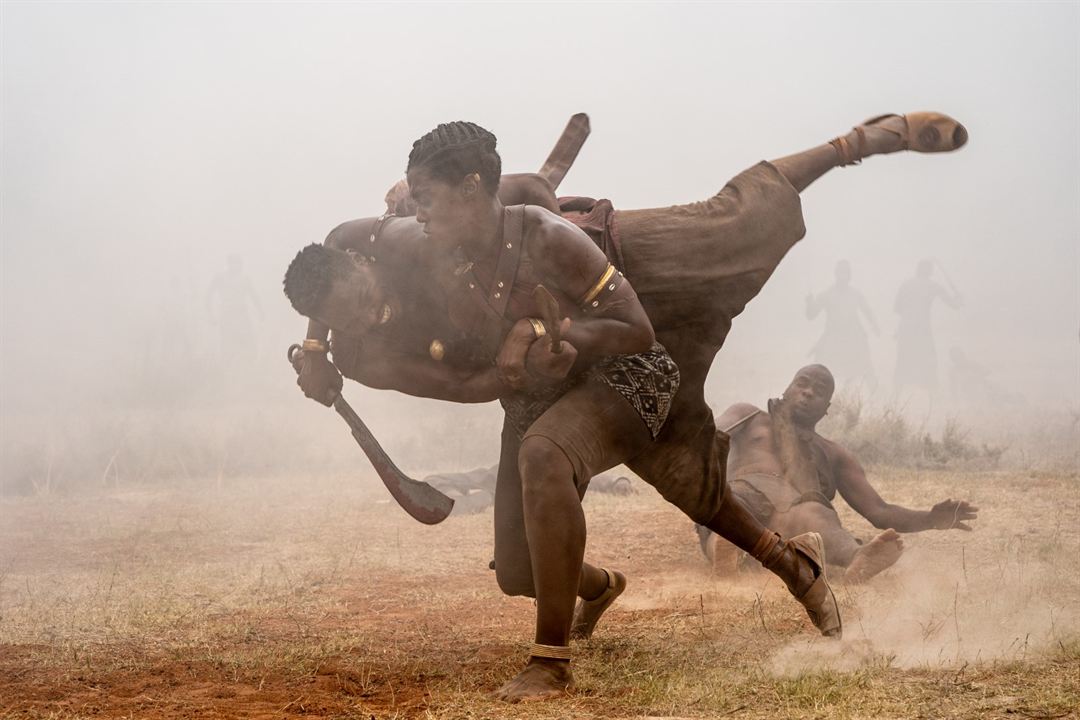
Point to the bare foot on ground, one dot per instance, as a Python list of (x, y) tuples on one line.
[(875, 556), (542, 678)]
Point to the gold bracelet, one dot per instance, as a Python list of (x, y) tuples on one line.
[(554, 652), (538, 327), (313, 345)]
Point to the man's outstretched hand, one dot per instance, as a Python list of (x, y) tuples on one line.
[(317, 376), (950, 513)]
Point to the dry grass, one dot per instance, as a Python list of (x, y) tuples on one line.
[(306, 597)]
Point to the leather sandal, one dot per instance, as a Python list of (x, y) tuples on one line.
[(818, 599), (926, 132), (588, 612)]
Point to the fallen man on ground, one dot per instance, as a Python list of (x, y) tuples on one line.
[(788, 476)]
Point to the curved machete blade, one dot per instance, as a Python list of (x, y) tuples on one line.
[(419, 499)]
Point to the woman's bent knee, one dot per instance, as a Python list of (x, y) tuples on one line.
[(540, 459)]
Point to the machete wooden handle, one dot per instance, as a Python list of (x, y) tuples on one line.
[(331, 394), (549, 313)]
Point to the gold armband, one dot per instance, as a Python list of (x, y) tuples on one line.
[(313, 345), (590, 298), (538, 327)]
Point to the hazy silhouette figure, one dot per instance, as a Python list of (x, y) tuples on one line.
[(916, 353), (229, 301), (843, 346)]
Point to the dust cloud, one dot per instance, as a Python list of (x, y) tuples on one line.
[(942, 612), (162, 163)]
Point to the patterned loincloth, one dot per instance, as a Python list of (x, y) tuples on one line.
[(648, 381)]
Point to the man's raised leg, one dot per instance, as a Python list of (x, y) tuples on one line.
[(919, 132)]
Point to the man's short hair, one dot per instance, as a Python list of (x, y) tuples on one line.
[(310, 274), (453, 150)]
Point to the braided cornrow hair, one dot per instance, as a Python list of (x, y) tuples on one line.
[(453, 150)]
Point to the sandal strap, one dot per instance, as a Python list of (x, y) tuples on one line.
[(768, 549), (553, 652), (904, 136), (850, 155), (610, 582)]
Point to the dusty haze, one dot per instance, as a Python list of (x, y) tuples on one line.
[(143, 145)]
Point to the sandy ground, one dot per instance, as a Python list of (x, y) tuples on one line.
[(319, 597)]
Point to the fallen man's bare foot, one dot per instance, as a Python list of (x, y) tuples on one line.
[(875, 556), (541, 679)]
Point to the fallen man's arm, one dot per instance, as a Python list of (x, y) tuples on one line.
[(860, 495)]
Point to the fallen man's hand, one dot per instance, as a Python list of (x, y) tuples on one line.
[(949, 514)]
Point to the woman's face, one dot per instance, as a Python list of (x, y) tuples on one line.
[(446, 211)]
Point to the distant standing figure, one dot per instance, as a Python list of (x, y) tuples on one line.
[(229, 300), (916, 354), (843, 346)]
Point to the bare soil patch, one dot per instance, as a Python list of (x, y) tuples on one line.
[(308, 597)]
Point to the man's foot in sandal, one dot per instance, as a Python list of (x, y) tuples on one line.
[(800, 563), (924, 132), (588, 612)]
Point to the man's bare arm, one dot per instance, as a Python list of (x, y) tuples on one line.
[(426, 378), (856, 490)]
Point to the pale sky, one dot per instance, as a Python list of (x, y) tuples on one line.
[(144, 143)]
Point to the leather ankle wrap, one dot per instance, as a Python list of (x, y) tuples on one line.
[(769, 548), (846, 154)]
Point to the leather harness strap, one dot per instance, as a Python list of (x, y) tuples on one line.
[(370, 255), (495, 299)]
